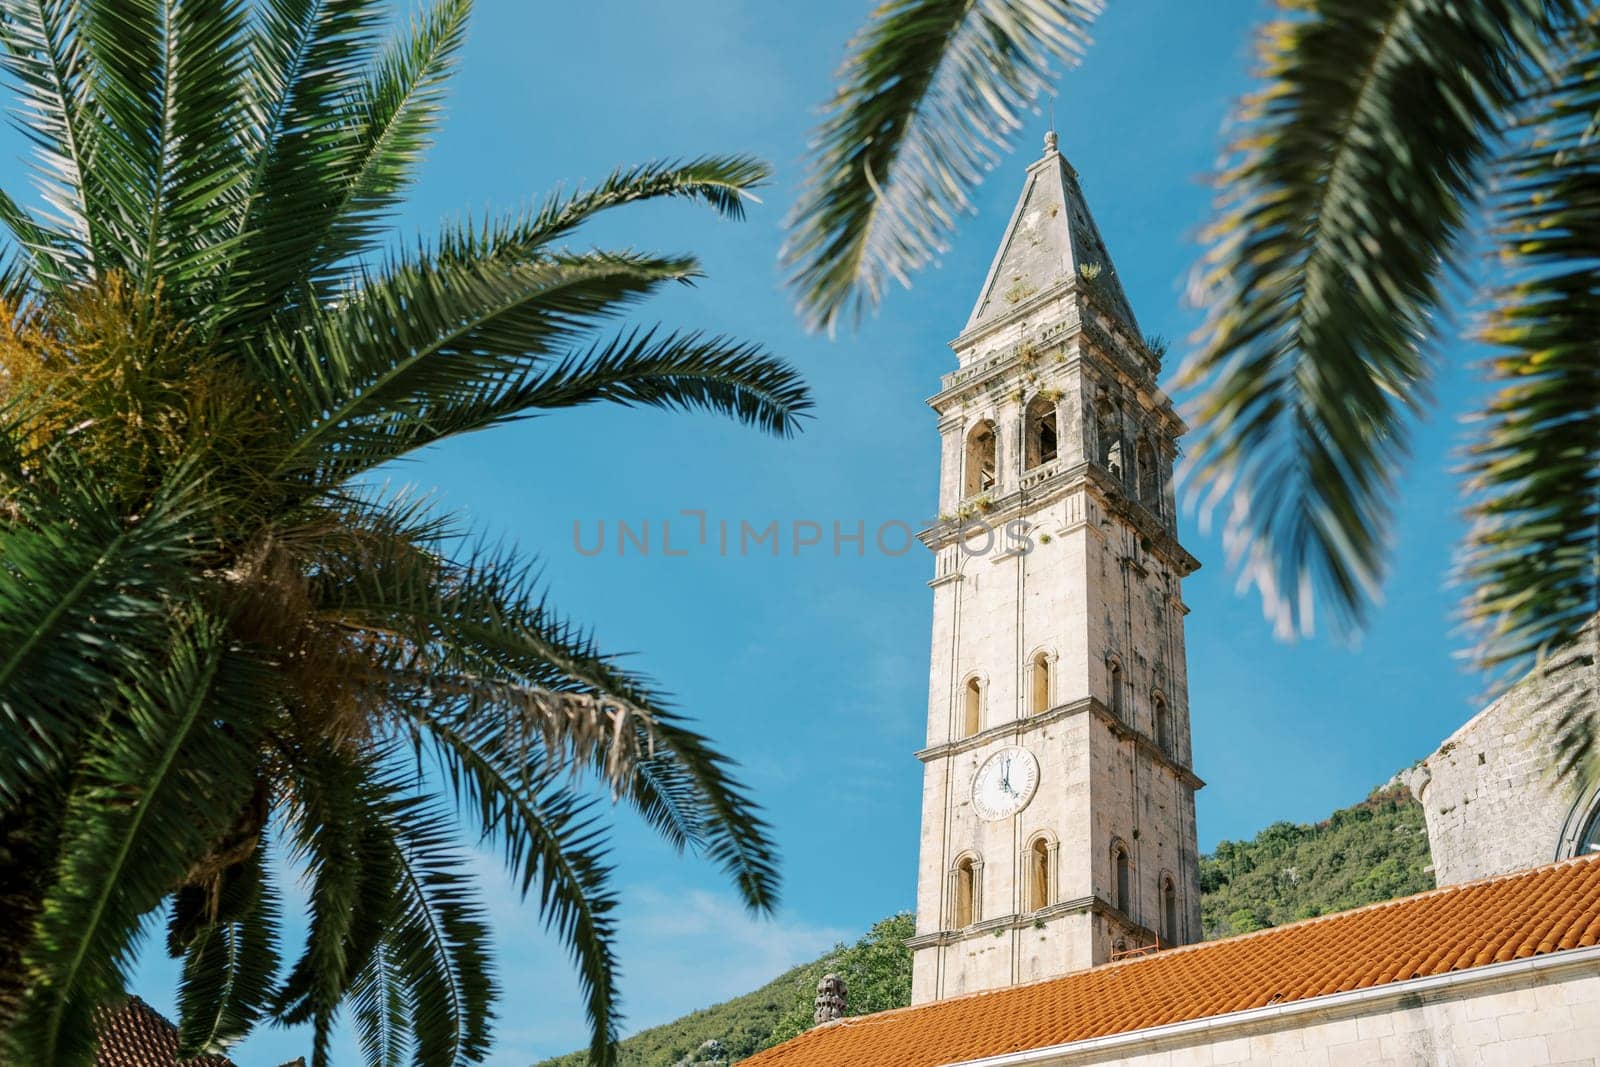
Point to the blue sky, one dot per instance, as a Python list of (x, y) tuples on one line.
[(811, 669)]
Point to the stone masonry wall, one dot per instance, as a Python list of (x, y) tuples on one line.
[(1490, 796)]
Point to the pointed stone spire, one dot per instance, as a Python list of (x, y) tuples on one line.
[(1051, 241)]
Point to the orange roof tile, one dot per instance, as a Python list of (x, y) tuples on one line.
[(1529, 913), (136, 1035)]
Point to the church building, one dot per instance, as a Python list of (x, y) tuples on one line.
[(1058, 898)]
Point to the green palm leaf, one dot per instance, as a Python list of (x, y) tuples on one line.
[(168, 79), (83, 599), (381, 1008), (158, 782), (931, 92), (390, 125), (437, 939), (1342, 213), (553, 839), (230, 966), (308, 58), (431, 332), (45, 63)]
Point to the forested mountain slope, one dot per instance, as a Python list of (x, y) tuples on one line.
[(1372, 851)]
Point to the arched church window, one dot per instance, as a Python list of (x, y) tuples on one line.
[(971, 707), (1163, 726), (965, 902), (1590, 841), (1039, 691), (1038, 882), (1149, 478), (980, 468), (1119, 860), (1116, 689), (1108, 425), (1040, 431), (1169, 911)]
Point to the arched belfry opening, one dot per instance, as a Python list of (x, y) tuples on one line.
[(971, 707), (1108, 432), (964, 896), (1149, 476), (980, 459), (1039, 433), (1169, 911), (1163, 727), (1040, 876), (1039, 684), (1119, 863)]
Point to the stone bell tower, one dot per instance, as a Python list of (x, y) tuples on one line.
[(1058, 824)]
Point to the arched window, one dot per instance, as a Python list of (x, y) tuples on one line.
[(1109, 425), (1116, 689), (1590, 841), (1039, 691), (971, 707), (980, 476), (1163, 726), (1169, 911), (964, 904), (1040, 433), (1119, 860), (1149, 476), (1038, 881)]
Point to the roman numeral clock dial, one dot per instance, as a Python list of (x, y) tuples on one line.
[(1005, 783)]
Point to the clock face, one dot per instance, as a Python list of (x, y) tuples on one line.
[(1005, 783)]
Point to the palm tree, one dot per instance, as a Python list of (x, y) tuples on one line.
[(1388, 140), (218, 638)]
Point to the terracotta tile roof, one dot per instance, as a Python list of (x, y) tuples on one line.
[(1524, 914), (136, 1035)]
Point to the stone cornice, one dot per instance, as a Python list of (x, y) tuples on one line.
[(1020, 502), (1088, 705), (1019, 920)]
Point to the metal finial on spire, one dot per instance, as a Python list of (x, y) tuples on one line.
[(1050, 142)]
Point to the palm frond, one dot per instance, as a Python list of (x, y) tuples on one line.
[(1339, 223), (84, 597), (932, 91), (327, 822), (486, 624), (169, 79), (390, 124), (1532, 555), (381, 1006), (230, 964), (308, 59), (673, 371), (431, 331), (44, 61), (162, 777), (48, 258), (553, 838), (722, 183), (436, 940)]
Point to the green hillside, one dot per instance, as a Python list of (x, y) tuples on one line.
[(1375, 850)]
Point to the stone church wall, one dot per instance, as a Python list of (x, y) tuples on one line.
[(1489, 794)]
